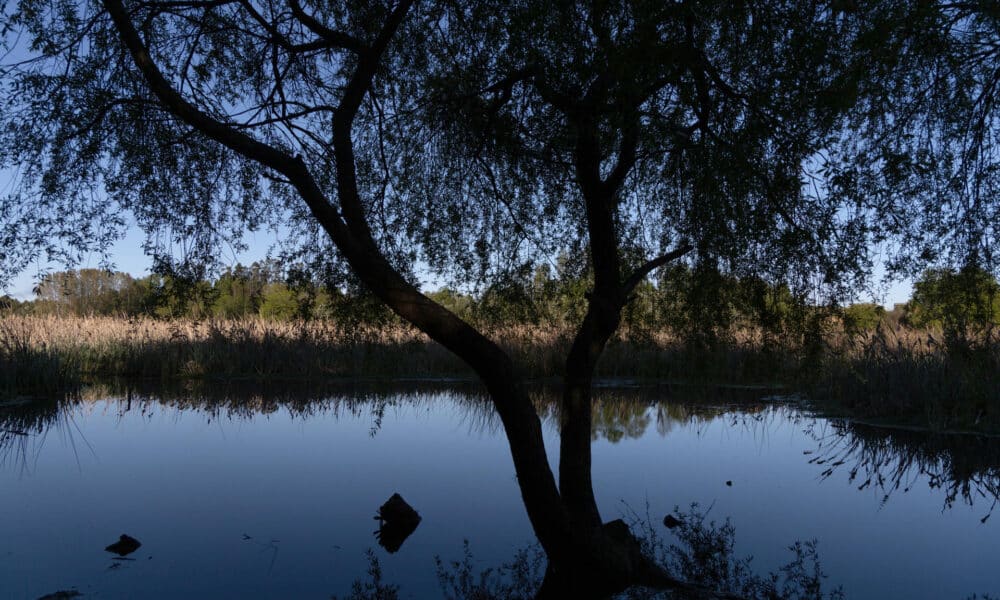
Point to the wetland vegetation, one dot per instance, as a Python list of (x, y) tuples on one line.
[(931, 362)]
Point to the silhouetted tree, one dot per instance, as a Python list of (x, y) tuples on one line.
[(471, 138)]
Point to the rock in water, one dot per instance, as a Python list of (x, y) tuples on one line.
[(125, 545), (61, 595), (396, 510), (397, 520)]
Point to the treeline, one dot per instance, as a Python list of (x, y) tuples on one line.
[(699, 302), (262, 289)]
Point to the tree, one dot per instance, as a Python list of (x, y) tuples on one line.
[(474, 137), (8, 305), (279, 303), (862, 317), (91, 292), (963, 302)]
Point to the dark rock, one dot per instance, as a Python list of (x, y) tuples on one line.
[(124, 546), (670, 521), (61, 595), (397, 521), (396, 510)]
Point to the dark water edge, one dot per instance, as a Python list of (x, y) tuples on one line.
[(299, 473)]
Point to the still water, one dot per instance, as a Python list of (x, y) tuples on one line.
[(237, 494)]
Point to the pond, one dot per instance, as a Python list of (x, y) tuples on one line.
[(240, 493)]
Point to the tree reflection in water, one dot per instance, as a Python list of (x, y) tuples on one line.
[(966, 467)]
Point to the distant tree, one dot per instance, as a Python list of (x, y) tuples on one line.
[(508, 301), (238, 292), (89, 292), (173, 296), (560, 293), (279, 303), (963, 302), (457, 302), (8, 304), (860, 318)]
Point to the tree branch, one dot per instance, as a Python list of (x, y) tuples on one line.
[(221, 132), (343, 122), (639, 274), (333, 37)]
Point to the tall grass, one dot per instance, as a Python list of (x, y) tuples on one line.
[(920, 376), (100, 347), (103, 347), (28, 363), (930, 378)]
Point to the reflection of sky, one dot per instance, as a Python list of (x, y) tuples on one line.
[(189, 488)]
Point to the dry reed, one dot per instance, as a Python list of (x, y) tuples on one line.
[(890, 372)]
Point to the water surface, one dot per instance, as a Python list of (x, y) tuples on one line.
[(238, 494)]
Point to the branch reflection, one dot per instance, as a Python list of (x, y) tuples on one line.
[(965, 467)]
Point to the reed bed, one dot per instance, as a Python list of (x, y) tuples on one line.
[(918, 376), (102, 347), (28, 361), (932, 379)]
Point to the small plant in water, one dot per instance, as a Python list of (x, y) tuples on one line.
[(705, 555), (517, 580), (374, 588)]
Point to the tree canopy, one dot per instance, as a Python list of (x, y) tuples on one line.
[(472, 143), (962, 302)]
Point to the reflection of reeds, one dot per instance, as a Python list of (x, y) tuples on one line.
[(24, 425), (965, 467)]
